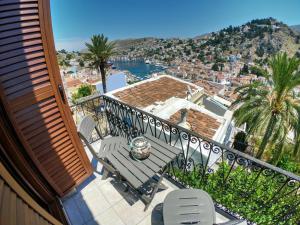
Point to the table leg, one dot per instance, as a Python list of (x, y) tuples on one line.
[(105, 173), (126, 187), (155, 189)]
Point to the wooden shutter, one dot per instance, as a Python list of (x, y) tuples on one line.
[(17, 207), (29, 81)]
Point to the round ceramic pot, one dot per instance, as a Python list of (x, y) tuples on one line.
[(140, 148)]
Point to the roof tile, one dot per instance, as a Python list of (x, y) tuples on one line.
[(148, 93), (201, 123)]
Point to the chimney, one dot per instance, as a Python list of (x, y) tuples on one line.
[(189, 93), (183, 119)]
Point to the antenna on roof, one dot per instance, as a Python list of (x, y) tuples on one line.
[(189, 92)]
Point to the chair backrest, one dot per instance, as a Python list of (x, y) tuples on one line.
[(85, 130), (189, 206), (86, 127)]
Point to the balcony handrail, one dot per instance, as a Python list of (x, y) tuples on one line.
[(243, 155), (239, 153)]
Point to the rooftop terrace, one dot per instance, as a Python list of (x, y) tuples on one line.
[(154, 90)]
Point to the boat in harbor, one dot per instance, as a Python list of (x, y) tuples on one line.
[(147, 61)]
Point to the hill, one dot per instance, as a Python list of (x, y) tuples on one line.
[(263, 37), (296, 28), (255, 40), (129, 43)]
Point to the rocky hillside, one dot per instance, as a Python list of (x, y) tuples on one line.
[(296, 28), (263, 37), (126, 44), (255, 40)]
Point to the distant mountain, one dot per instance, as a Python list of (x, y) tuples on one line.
[(133, 42), (257, 38), (295, 27), (253, 40)]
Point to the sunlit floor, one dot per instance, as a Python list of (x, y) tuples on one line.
[(105, 202)]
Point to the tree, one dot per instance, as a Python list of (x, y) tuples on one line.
[(258, 71), (81, 62), (83, 91), (240, 143), (63, 51), (215, 67), (99, 52), (245, 69), (63, 62), (296, 150), (201, 57), (221, 66), (270, 109), (260, 52)]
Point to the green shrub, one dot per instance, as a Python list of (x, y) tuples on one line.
[(83, 91), (240, 142), (258, 196), (286, 162)]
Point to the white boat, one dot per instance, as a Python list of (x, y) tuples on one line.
[(147, 61)]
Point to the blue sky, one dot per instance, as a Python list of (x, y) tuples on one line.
[(75, 21)]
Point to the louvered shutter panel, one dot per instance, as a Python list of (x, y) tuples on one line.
[(17, 207), (29, 80)]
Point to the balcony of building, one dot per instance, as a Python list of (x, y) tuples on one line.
[(241, 186)]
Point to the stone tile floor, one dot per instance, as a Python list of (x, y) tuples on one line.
[(105, 202)]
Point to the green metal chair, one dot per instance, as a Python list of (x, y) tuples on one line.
[(85, 132), (191, 206)]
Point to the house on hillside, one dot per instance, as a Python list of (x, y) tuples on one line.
[(181, 103)]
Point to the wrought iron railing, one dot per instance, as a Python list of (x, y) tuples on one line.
[(243, 186)]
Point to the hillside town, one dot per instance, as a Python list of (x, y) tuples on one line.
[(232, 57), (208, 62)]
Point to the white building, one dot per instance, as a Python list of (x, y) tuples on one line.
[(175, 100)]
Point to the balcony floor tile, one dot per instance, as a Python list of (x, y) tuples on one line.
[(131, 214), (105, 202), (109, 217)]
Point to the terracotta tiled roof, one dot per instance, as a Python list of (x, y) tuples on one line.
[(92, 80), (230, 95), (220, 76), (201, 123), (209, 87), (159, 90), (73, 83)]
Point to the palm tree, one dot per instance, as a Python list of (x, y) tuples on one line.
[(270, 109), (297, 141), (99, 51), (63, 62)]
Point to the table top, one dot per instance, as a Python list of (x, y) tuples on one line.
[(136, 172)]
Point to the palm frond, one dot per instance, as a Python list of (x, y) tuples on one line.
[(275, 100)]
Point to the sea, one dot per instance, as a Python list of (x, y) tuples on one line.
[(138, 68)]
